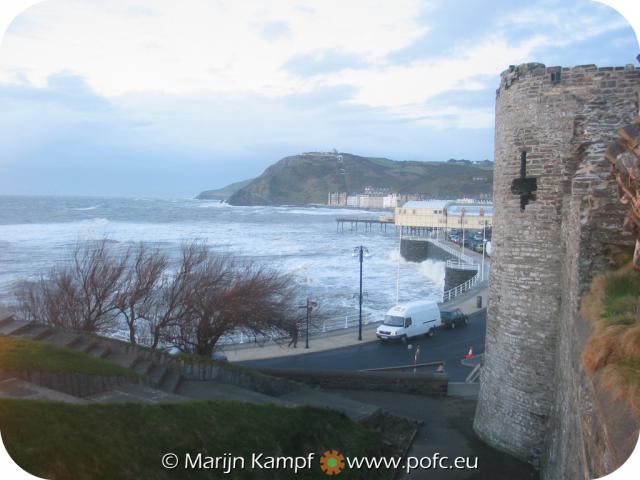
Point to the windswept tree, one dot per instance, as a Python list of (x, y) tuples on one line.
[(228, 295), (170, 306), (139, 288), (78, 295), (191, 307)]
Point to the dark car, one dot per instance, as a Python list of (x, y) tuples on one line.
[(453, 318)]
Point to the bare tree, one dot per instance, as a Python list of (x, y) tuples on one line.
[(170, 307), (228, 295), (138, 290), (206, 297), (78, 295)]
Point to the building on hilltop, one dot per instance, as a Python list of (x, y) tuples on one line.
[(556, 214)]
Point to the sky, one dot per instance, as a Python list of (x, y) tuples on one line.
[(165, 98)]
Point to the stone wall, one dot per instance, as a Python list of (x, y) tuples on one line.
[(555, 211), (420, 250), (76, 384), (456, 276), (431, 384)]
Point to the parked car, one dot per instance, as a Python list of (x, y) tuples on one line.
[(219, 357), (410, 320), (453, 318)]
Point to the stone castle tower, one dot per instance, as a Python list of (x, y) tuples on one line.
[(556, 212)]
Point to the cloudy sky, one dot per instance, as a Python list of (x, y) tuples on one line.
[(166, 98)]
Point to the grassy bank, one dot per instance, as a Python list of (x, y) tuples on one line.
[(18, 355), (127, 441), (613, 307)]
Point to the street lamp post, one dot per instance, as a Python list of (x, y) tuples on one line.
[(311, 303), (360, 252)]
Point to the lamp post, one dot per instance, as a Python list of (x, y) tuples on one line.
[(309, 306), (360, 252)]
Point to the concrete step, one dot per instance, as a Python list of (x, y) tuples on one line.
[(171, 381), (462, 389), (14, 327), (62, 338), (5, 315), (17, 388), (316, 398), (157, 374), (36, 331), (99, 350), (83, 343), (138, 394), (212, 390), (142, 365), (124, 359)]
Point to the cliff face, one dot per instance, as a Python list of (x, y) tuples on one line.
[(308, 178), (223, 193)]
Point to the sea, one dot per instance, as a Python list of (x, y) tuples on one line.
[(38, 233)]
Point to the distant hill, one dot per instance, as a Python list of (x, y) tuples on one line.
[(308, 178), (223, 193)]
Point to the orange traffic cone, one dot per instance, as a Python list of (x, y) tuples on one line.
[(470, 354)]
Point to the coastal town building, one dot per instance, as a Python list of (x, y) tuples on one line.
[(372, 198), (447, 214)]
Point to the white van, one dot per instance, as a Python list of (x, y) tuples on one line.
[(410, 320)]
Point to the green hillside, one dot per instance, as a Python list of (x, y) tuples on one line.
[(305, 179), (127, 441), (225, 192)]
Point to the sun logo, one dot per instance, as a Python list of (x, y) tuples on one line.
[(332, 462)]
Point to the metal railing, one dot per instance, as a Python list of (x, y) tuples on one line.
[(464, 287), (462, 262), (447, 248), (327, 325), (462, 266)]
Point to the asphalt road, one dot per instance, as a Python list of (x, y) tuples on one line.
[(448, 345)]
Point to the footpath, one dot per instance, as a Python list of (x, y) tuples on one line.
[(467, 302)]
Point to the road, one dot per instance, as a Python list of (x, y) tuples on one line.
[(448, 345)]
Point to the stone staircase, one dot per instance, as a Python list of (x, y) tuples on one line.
[(169, 380)]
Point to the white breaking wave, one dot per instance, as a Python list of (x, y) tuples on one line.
[(97, 221), (84, 209), (434, 271), (301, 241)]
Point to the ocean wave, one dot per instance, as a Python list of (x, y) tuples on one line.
[(96, 221), (211, 204), (84, 209)]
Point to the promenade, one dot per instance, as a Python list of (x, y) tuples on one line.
[(340, 338)]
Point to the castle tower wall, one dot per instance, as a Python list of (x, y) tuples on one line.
[(551, 126)]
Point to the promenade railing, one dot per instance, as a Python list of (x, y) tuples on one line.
[(460, 262), (339, 322)]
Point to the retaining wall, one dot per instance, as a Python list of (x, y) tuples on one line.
[(76, 384), (430, 384)]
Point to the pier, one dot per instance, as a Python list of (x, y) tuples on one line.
[(353, 223), (367, 223)]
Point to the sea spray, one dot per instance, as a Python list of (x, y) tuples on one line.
[(432, 270)]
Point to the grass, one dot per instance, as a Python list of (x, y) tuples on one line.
[(613, 307), (127, 441), (18, 355)]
